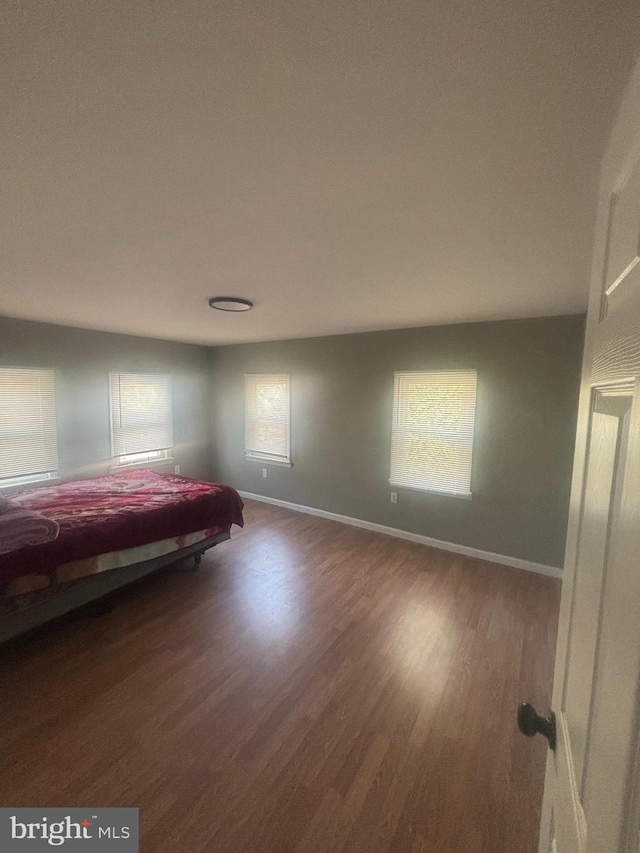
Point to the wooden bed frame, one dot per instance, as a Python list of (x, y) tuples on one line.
[(41, 607)]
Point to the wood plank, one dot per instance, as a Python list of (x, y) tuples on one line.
[(313, 687)]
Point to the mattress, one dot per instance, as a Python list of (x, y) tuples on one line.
[(77, 569), (104, 518)]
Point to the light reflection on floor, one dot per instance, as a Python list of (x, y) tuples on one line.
[(269, 590), (274, 606), (421, 644)]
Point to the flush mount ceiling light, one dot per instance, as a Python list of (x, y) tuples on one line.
[(230, 303)]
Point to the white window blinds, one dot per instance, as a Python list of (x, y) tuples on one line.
[(28, 440), (432, 434), (267, 417), (141, 413)]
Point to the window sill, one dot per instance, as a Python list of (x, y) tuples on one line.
[(150, 463), (281, 463), (29, 484), (465, 496)]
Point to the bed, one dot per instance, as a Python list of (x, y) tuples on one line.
[(113, 530)]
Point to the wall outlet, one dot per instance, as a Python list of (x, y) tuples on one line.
[(264, 473), (176, 469), (394, 497)]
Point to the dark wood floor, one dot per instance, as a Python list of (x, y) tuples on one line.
[(313, 687)]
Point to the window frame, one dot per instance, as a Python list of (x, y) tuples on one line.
[(133, 460), (256, 455), (153, 457), (432, 491), (36, 477), (29, 480)]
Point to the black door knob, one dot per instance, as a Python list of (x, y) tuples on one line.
[(531, 723)]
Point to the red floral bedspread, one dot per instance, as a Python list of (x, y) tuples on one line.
[(120, 511)]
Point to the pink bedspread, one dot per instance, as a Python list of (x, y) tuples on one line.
[(20, 527), (120, 511)]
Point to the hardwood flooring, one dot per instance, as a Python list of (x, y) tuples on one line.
[(313, 687)]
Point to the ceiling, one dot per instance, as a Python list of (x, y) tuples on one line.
[(346, 165)]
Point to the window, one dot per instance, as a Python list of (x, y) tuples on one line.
[(432, 433), (266, 418), (141, 418), (28, 439)]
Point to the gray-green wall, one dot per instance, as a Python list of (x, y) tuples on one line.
[(341, 397), (341, 401), (82, 361)]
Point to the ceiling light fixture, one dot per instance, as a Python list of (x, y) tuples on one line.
[(230, 303)]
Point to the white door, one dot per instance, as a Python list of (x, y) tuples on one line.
[(592, 789)]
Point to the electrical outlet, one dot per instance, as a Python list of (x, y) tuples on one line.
[(264, 473), (176, 469), (394, 497)]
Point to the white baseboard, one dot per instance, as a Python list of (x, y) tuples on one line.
[(502, 559)]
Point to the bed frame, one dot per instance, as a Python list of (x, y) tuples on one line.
[(40, 607)]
